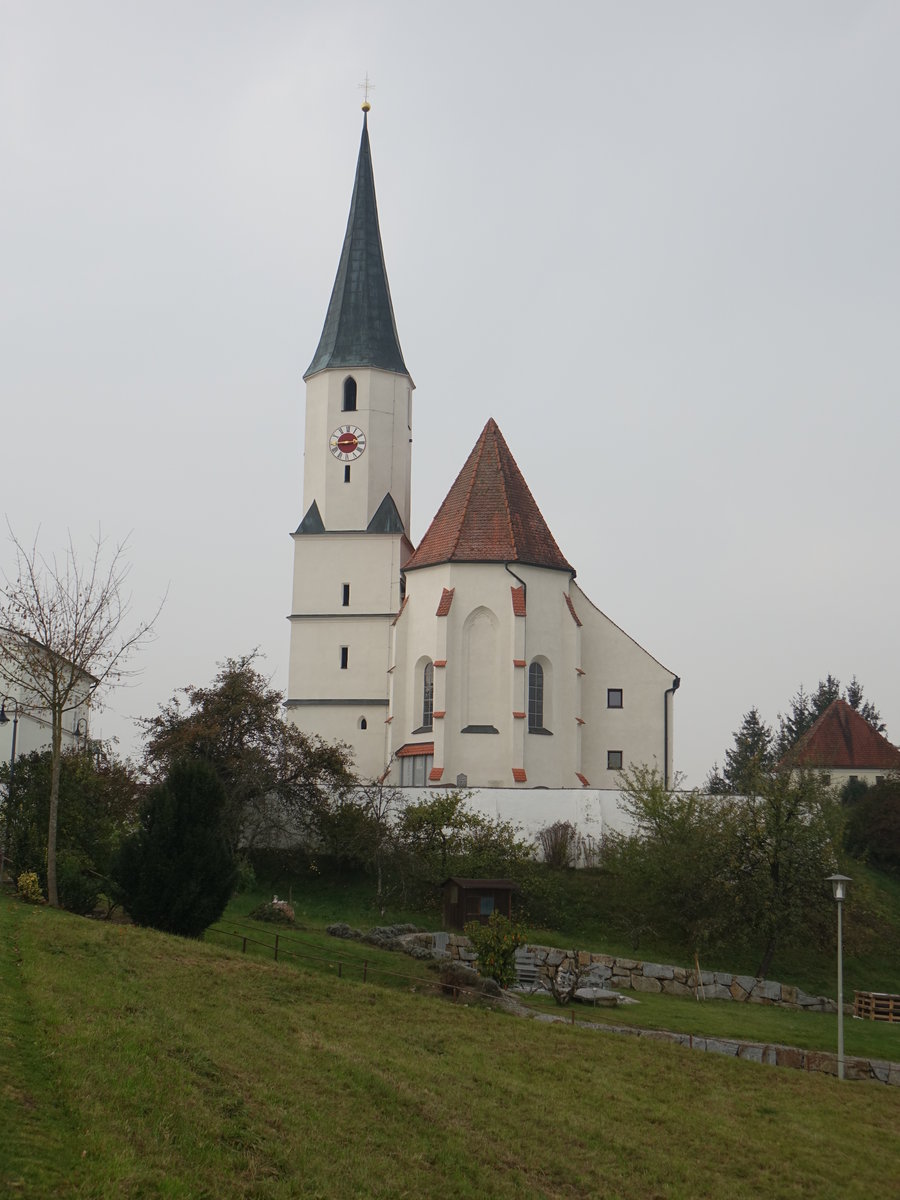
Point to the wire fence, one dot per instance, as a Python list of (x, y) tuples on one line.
[(363, 970)]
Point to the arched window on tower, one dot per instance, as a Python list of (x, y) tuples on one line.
[(428, 696), (349, 404), (535, 697)]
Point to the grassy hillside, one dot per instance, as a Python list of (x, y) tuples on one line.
[(137, 1065), (579, 899)]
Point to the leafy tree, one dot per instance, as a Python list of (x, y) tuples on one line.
[(178, 871), (716, 870), (99, 803), (751, 756), (62, 636), (873, 823), (788, 834), (277, 779)]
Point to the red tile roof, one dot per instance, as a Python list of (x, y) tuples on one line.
[(400, 610), (412, 748), (584, 782), (440, 662), (518, 601), (519, 775), (489, 515), (842, 738), (519, 716), (568, 600), (439, 715), (445, 601), (519, 662), (435, 774)]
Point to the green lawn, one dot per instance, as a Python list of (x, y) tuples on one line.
[(138, 1065)]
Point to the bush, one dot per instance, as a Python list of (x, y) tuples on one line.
[(79, 888), (495, 945), (275, 910), (560, 845), (30, 888)]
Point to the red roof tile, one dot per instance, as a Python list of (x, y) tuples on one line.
[(568, 600), (842, 738), (400, 610), (412, 748), (584, 782), (519, 716), (519, 775), (489, 515), (435, 774), (440, 662), (445, 601), (439, 716), (518, 601)]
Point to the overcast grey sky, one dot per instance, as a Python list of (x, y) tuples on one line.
[(657, 242)]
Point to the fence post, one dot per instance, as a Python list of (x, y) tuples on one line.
[(244, 946), (276, 947), (365, 969), (340, 969)]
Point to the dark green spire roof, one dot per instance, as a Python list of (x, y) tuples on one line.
[(359, 326)]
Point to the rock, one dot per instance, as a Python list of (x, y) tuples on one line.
[(658, 971), (768, 989), (672, 987), (598, 996), (747, 982), (720, 1046), (643, 983), (736, 991)]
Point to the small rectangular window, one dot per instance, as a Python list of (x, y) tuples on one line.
[(345, 594), (854, 779), (345, 657), (614, 760), (486, 905), (347, 473), (613, 697), (826, 780)]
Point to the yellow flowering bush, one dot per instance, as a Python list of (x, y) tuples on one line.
[(29, 887)]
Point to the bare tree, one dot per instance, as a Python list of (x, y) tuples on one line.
[(62, 636)]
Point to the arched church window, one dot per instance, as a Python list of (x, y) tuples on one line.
[(363, 723), (349, 404), (428, 696), (535, 697)]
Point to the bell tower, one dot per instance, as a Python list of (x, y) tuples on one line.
[(353, 538)]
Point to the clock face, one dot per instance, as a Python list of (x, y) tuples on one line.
[(347, 442)]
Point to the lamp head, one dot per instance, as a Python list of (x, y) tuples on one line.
[(4, 719), (839, 886)]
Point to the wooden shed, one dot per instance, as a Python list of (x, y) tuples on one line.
[(475, 899)]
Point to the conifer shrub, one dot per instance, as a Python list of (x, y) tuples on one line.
[(79, 886), (177, 871)]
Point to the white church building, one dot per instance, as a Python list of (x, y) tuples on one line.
[(473, 659)]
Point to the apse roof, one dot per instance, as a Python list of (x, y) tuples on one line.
[(842, 738), (489, 515), (359, 329)]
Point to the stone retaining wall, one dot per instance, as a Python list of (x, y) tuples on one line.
[(602, 970)]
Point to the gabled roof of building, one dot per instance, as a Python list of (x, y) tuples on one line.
[(359, 329), (489, 515), (842, 738)]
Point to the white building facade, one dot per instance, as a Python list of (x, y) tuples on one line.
[(473, 660)]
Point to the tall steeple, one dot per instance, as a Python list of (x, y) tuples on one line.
[(360, 330)]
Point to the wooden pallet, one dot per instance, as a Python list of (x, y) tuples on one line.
[(877, 1006)]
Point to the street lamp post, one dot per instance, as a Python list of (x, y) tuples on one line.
[(839, 887), (4, 720)]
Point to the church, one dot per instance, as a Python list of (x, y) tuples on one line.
[(473, 659)]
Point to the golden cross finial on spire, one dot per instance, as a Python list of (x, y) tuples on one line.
[(366, 87)]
